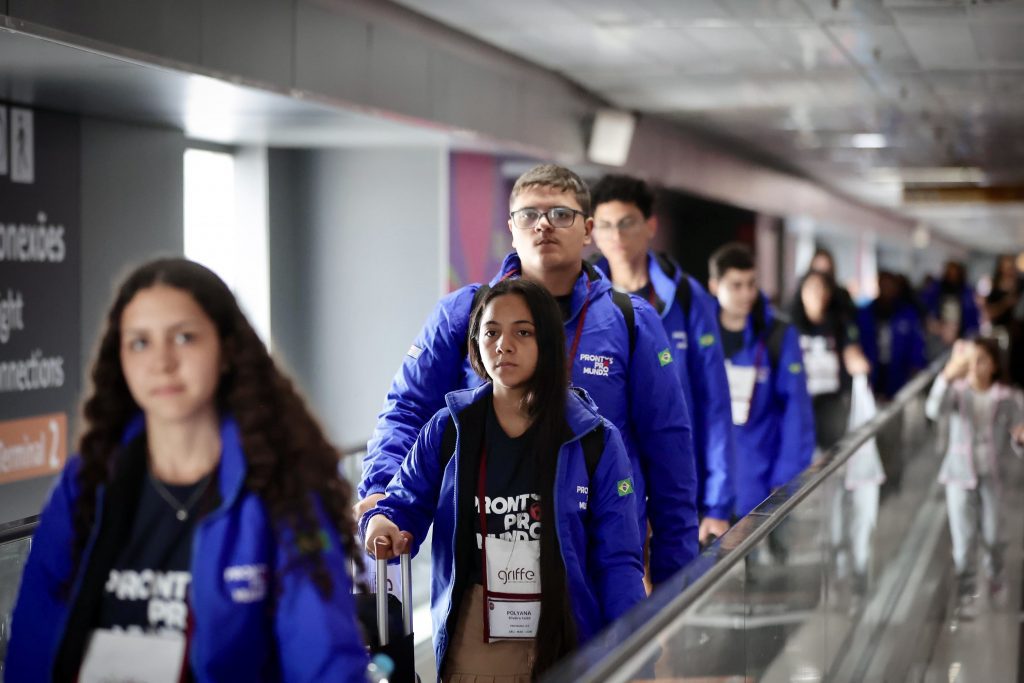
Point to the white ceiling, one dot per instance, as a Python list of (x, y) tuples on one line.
[(50, 74), (942, 81)]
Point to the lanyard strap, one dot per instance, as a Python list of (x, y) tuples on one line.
[(579, 328), (758, 352), (652, 296)]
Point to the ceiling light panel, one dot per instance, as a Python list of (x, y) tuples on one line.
[(941, 45), (608, 12), (874, 46), (810, 48), (769, 11), (849, 11), (469, 15), (1000, 44), (737, 46)]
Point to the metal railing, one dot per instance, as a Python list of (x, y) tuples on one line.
[(630, 640), (18, 529)]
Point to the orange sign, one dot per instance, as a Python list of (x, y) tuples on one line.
[(33, 447)]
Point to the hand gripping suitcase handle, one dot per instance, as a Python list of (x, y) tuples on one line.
[(382, 597)]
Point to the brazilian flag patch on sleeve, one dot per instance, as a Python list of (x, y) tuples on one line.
[(665, 357), (706, 340), (625, 486), (795, 368)]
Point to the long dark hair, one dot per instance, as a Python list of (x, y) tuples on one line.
[(289, 460), (797, 312), (544, 403)]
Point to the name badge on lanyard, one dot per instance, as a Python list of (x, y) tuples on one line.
[(121, 657), (512, 593), (511, 579), (821, 365), (742, 379)]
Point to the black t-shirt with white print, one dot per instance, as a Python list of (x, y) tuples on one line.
[(512, 502), (147, 587)]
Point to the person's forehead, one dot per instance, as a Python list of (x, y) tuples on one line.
[(615, 208), (544, 196), (737, 274)]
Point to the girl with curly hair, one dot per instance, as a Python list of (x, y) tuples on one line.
[(536, 545), (203, 532)]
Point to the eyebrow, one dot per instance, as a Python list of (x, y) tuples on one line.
[(514, 322), (188, 322)]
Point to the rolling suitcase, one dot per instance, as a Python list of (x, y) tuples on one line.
[(387, 621)]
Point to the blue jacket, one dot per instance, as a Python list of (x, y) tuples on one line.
[(694, 336), (637, 393), (595, 522), (908, 349), (777, 441), (970, 316), (288, 634)]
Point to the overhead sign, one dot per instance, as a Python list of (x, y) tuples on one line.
[(39, 289)]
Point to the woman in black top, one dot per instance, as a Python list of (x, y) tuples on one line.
[(832, 353), (1003, 311)]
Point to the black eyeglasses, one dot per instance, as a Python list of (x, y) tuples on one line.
[(558, 216)]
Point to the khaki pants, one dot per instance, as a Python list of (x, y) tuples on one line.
[(471, 660)]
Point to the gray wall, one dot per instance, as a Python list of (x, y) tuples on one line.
[(132, 209), (356, 252)]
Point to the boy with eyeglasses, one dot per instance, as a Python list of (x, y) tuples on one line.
[(624, 225), (771, 409), (617, 349)]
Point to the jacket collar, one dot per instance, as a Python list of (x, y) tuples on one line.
[(598, 283), (232, 466), (665, 282), (580, 410)]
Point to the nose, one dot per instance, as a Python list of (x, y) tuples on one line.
[(164, 358), (505, 344), (543, 224)]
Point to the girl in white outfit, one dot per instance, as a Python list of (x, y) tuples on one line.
[(981, 411)]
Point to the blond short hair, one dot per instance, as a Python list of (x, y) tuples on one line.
[(556, 177)]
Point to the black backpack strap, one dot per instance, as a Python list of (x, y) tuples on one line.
[(626, 306), (684, 292), (773, 340), (593, 447), (684, 295)]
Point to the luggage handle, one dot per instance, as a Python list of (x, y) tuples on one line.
[(405, 561)]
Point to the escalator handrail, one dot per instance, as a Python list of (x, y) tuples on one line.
[(18, 529), (599, 661)]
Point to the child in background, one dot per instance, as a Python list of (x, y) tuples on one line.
[(981, 410)]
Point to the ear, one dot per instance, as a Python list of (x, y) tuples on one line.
[(652, 227), (588, 231), (713, 286)]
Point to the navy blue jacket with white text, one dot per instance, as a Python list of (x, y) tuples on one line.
[(595, 519), (694, 337), (271, 626), (777, 441), (638, 392), (906, 353)]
